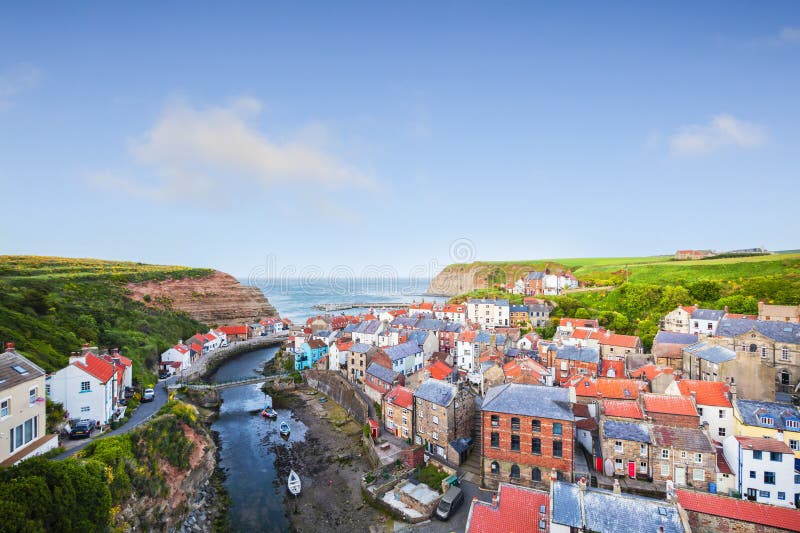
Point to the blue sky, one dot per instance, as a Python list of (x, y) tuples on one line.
[(333, 136)]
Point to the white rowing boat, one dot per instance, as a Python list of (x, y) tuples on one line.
[(294, 483)]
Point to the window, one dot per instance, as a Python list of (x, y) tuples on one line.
[(700, 411), (515, 424), (664, 470), (794, 424), (763, 494), (435, 420), (5, 408), (433, 407), (405, 432), (495, 468), (47, 389), (722, 413), (753, 348), (665, 454), (794, 445), (556, 428), (536, 446), (556, 448), (766, 420), (495, 440), (721, 432), (390, 411), (683, 454), (757, 454), (643, 467), (514, 443), (434, 436), (763, 351), (418, 439), (85, 409), (698, 474), (618, 464), (85, 386), (784, 353), (542, 524), (618, 446), (781, 495), (769, 478), (536, 426), (514, 472), (752, 474), (698, 458), (536, 474), (776, 456), (32, 394), (643, 449), (405, 420), (495, 421)]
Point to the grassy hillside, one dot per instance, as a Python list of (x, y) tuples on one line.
[(656, 285), (50, 306)]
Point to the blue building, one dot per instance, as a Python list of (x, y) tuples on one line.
[(312, 351)]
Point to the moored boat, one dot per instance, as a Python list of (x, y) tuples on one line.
[(294, 483), (269, 412), (285, 430)]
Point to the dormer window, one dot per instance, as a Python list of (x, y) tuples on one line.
[(767, 420)]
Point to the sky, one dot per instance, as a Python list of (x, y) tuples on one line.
[(328, 138)]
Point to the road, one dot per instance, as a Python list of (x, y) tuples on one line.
[(457, 522)]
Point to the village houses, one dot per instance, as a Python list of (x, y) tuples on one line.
[(444, 414), (766, 467)]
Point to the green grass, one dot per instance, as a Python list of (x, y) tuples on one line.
[(50, 306)]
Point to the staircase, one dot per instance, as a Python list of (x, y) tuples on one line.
[(472, 466)]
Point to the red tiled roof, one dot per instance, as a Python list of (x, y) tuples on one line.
[(233, 330), (651, 372), (517, 511), (439, 370), (579, 322), (743, 510), (400, 396), (196, 347), (764, 444), (97, 367), (622, 408), (608, 388), (467, 336), (454, 308), (706, 392), (581, 333), (617, 366), (615, 339), (722, 464), (744, 317), (589, 424), (492, 354), (674, 405)]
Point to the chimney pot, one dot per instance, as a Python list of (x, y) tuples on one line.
[(9, 346)]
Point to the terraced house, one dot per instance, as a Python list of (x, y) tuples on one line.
[(443, 415), (781, 421), (527, 434)]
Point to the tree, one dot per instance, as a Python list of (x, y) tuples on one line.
[(738, 303), (673, 296), (705, 291)]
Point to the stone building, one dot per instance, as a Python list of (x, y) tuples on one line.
[(684, 455), (709, 513), (626, 446), (444, 413), (398, 412), (779, 313), (527, 431), (676, 411), (359, 359)]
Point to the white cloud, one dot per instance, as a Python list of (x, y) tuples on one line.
[(723, 131), (789, 35), (16, 80), (198, 150)]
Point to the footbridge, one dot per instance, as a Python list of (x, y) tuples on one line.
[(237, 382)]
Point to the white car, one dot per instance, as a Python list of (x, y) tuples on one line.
[(149, 395)]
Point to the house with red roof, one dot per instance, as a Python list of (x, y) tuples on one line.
[(567, 325), (615, 346), (87, 387), (766, 467), (514, 509), (676, 411), (398, 411), (622, 410), (711, 513), (234, 333), (713, 402), (175, 359), (589, 389)]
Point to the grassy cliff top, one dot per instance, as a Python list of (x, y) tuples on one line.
[(44, 267)]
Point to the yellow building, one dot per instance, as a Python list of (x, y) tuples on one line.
[(781, 421)]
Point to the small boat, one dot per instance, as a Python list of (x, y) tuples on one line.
[(285, 429), (269, 412), (294, 483)]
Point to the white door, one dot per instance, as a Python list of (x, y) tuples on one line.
[(680, 476)]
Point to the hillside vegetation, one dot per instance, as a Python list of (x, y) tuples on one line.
[(656, 285), (50, 306)]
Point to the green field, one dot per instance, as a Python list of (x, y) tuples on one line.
[(50, 306)]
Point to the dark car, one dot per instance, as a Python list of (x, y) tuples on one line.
[(129, 392), (164, 374), (148, 395), (82, 429)]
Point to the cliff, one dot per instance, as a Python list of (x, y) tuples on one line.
[(216, 299), (461, 278)]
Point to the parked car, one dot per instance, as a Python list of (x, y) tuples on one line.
[(164, 374), (149, 395), (450, 503), (129, 392), (82, 429)]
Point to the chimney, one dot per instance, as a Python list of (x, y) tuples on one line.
[(732, 390), (9, 346), (494, 501), (726, 309), (77, 357), (572, 395)]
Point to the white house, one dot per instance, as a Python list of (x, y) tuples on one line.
[(87, 387), (467, 350), (713, 403), (454, 312), (367, 332), (488, 313), (406, 358), (766, 469), (176, 359), (528, 342), (705, 321), (555, 284)]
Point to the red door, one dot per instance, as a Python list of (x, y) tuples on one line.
[(631, 469)]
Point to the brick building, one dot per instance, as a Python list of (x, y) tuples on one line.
[(676, 411), (684, 455), (570, 360), (359, 359), (398, 412), (526, 432)]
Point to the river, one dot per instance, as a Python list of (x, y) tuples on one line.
[(246, 440)]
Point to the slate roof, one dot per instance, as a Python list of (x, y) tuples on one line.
[(711, 352), (602, 510), (690, 439), (534, 275), (626, 431), (368, 327), (360, 347), (350, 328), (417, 336), (517, 511), (518, 309), (405, 321), (780, 331), (431, 324), (743, 510), (529, 400), (436, 391), (483, 337), (669, 337), (708, 314), (401, 351), (382, 373), (9, 377), (751, 412), (452, 327), (499, 339), (583, 354), (538, 308), (500, 302)]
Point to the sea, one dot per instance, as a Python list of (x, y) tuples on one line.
[(294, 298)]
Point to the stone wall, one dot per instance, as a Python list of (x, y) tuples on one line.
[(707, 523), (333, 385)]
